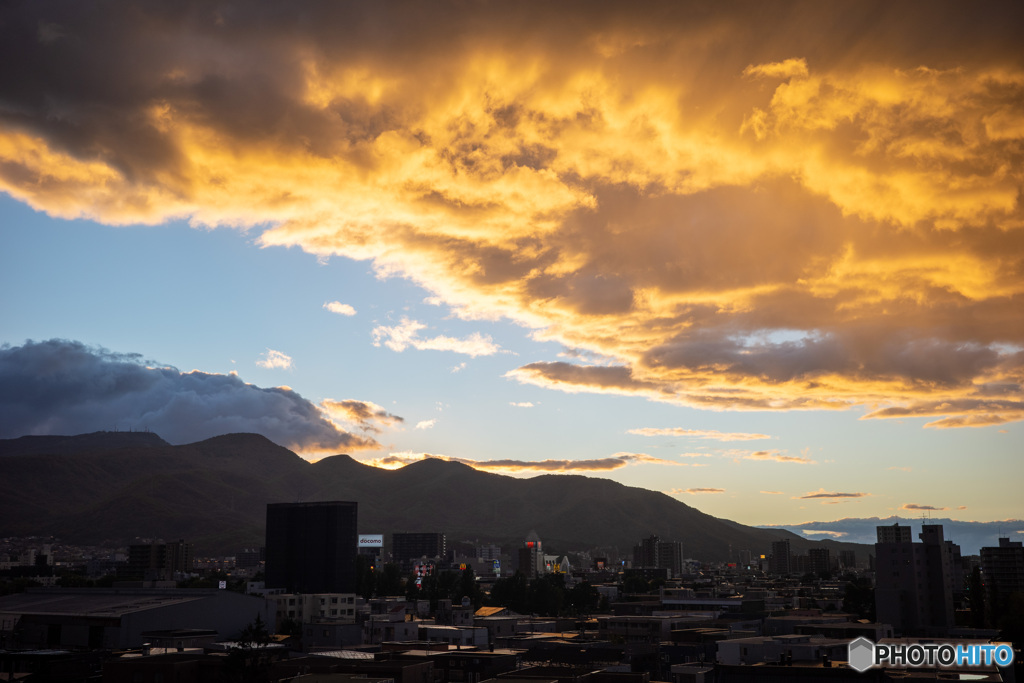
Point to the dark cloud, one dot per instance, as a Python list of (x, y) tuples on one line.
[(832, 494), (744, 206), (915, 506), (66, 387)]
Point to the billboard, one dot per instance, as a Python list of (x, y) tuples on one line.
[(371, 540)]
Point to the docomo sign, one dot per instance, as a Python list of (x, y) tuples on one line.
[(371, 540)]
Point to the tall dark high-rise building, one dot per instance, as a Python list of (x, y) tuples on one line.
[(654, 552), (159, 561), (781, 560), (914, 581), (311, 547), (819, 561), (406, 546)]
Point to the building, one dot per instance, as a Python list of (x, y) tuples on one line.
[(818, 561), (781, 560), (893, 534), (847, 559), (531, 556), (311, 547), (914, 581), (118, 618), (406, 546), (159, 561), (1002, 572), (306, 607), (654, 552)]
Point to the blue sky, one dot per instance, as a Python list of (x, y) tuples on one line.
[(781, 287)]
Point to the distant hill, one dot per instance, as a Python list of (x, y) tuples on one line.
[(97, 441), (970, 536), (94, 489)]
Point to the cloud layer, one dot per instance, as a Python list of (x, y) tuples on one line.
[(66, 387), (813, 206), (617, 461)]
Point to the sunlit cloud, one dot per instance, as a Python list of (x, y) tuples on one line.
[(406, 333), (365, 415), (773, 493), (899, 469), (915, 506), (777, 456), (617, 461), (693, 491), (340, 308), (274, 360), (737, 215), (521, 404), (698, 434), (426, 424), (822, 532)]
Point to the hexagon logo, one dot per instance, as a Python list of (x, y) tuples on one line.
[(861, 654)]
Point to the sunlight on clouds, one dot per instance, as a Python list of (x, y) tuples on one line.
[(275, 360), (664, 193), (340, 308), (509, 466), (406, 333), (698, 434), (365, 415)]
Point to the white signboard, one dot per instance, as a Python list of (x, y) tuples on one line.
[(371, 540)]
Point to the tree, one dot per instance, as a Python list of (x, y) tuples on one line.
[(389, 579), (468, 588), (547, 594), (976, 598), (859, 598), (366, 582), (248, 663), (583, 598), (511, 592)]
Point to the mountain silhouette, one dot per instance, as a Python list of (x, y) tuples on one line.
[(113, 487)]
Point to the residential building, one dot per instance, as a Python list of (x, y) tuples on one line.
[(414, 546), (780, 561), (914, 581), (1002, 571)]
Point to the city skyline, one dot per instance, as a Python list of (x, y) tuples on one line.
[(767, 261)]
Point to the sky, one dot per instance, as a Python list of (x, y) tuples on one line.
[(767, 258)]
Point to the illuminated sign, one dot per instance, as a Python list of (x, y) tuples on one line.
[(371, 541)]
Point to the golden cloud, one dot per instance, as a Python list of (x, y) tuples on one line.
[(364, 414), (737, 215), (822, 493), (698, 434), (617, 461), (778, 456)]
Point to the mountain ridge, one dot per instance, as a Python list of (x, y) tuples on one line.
[(214, 493)]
